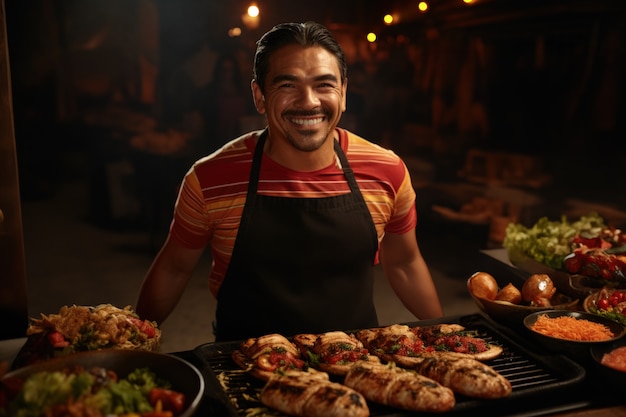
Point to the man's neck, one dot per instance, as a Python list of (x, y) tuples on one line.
[(297, 160)]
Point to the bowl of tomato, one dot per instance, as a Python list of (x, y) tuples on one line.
[(607, 302)]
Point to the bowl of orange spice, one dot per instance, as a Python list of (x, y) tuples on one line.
[(572, 333)]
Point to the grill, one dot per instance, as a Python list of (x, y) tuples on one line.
[(532, 375)]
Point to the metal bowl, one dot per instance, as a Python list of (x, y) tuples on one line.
[(576, 348), (183, 376)]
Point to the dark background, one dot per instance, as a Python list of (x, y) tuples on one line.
[(123, 92)]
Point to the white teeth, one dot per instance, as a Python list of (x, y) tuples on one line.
[(307, 121)]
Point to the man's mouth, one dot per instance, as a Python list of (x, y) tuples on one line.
[(307, 122)]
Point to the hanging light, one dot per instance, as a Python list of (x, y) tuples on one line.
[(253, 10), (251, 18)]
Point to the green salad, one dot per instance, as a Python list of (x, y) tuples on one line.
[(93, 392), (549, 241)]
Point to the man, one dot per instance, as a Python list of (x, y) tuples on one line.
[(297, 215)]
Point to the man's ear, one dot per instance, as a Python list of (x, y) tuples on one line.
[(259, 98)]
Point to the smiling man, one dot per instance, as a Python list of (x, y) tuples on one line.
[(297, 215)]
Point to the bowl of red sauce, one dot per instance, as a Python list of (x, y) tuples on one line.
[(610, 362)]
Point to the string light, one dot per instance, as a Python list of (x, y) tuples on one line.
[(253, 10)]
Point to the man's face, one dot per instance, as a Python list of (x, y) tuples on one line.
[(304, 97)]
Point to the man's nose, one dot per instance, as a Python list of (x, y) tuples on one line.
[(308, 98)]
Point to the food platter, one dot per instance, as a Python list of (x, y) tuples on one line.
[(532, 376), (580, 255), (573, 285)]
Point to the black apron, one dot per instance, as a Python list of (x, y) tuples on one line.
[(299, 265)]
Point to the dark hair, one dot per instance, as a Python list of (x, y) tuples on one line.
[(304, 34)]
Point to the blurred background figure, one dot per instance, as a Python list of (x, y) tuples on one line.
[(223, 102)]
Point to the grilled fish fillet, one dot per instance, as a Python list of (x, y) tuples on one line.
[(312, 395), (398, 387)]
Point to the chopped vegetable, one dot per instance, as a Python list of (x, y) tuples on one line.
[(550, 241), (96, 391)]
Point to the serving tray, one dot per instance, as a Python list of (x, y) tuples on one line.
[(534, 377)]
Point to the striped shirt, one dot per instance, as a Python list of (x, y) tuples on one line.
[(213, 193)]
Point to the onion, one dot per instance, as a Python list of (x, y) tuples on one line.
[(538, 289), (509, 293), (482, 285)]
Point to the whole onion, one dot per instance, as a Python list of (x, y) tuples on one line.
[(509, 293), (538, 289), (482, 285)]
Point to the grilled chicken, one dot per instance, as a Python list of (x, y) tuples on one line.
[(267, 355), (398, 387), (302, 394), (397, 342), (463, 375), (454, 338), (255, 347), (333, 352)]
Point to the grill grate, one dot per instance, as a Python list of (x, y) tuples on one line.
[(528, 373)]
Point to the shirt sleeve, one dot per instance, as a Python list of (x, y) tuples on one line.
[(190, 224), (404, 216)]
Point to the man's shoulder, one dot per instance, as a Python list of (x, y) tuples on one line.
[(234, 151), (357, 147)]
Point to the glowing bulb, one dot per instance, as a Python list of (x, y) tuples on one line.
[(468, 1), (253, 10), (423, 6), (371, 37), (388, 19), (234, 32)]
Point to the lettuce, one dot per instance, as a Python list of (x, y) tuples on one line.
[(43, 390), (549, 241)]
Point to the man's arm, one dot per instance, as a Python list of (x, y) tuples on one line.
[(409, 276), (166, 280)]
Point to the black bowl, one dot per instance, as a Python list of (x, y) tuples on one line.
[(576, 348), (611, 378), (182, 375)]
